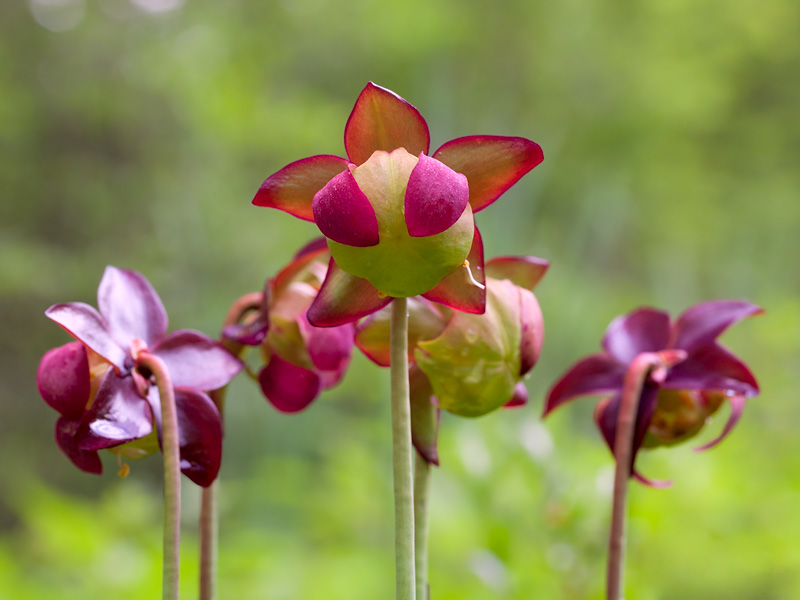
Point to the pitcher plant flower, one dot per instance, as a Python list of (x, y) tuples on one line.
[(398, 221), (675, 402), (106, 396)]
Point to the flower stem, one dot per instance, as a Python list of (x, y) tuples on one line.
[(401, 454), (170, 447), (422, 479)]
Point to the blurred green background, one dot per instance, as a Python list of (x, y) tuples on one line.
[(135, 133)]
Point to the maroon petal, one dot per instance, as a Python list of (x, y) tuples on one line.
[(491, 163), (330, 348), (344, 214), (457, 290), (86, 460), (200, 433), (643, 330), (524, 271), (344, 298), (532, 330), (292, 188), (712, 367), (435, 198), (382, 120), (596, 374), (737, 407), (84, 323), (314, 247), (63, 379), (520, 397), (702, 323), (131, 307), (117, 415), (425, 416), (197, 361), (289, 388), (658, 484), (251, 333)]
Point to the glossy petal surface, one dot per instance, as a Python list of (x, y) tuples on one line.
[(424, 416), (595, 374), (524, 271), (435, 198), (63, 379), (382, 120), (532, 330), (456, 290), (131, 307), (344, 298), (492, 164), (200, 434), (344, 214), (197, 361), (289, 388), (702, 323), (643, 330), (292, 188), (330, 348), (712, 367), (85, 460), (84, 323)]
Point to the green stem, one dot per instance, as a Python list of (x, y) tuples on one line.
[(401, 454), (422, 479), (170, 448)]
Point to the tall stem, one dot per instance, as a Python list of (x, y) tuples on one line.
[(401, 454), (422, 478), (170, 448)]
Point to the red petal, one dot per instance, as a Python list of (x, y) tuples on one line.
[(702, 323), (344, 214), (196, 361), (200, 433), (524, 271), (131, 307), (382, 120), (330, 348), (435, 198), (596, 374), (87, 325), (85, 460), (63, 379), (344, 298), (491, 163), (425, 416), (737, 407), (643, 330), (520, 397), (532, 330), (292, 188), (712, 367), (289, 388), (457, 291)]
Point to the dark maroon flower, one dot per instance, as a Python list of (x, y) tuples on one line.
[(674, 405), (108, 401)]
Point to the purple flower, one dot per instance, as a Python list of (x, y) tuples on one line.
[(675, 404), (107, 400)]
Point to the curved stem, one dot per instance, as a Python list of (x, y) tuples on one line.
[(170, 448), (422, 479), (401, 454)]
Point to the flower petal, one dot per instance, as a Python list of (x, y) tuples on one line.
[(63, 379), (457, 290), (520, 397), (197, 361), (524, 271), (712, 367), (131, 307), (85, 460), (344, 214), (435, 197), (87, 325), (595, 374), (532, 330), (382, 120), (344, 298), (658, 484), (737, 407), (200, 434), (425, 416), (702, 323), (292, 188), (491, 163), (289, 388), (330, 348), (117, 415), (643, 330)]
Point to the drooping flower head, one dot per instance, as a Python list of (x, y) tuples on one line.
[(299, 360), (399, 223), (107, 400), (675, 405)]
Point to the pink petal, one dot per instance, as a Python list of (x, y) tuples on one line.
[(344, 214), (289, 388), (382, 120), (197, 361), (117, 415), (524, 271), (330, 348), (702, 323), (520, 397), (643, 330), (292, 188), (344, 298), (63, 379), (314, 247), (532, 330), (596, 374), (435, 198), (314, 250), (658, 484), (425, 416), (85, 324), (85, 460), (737, 407), (457, 291), (131, 307), (200, 433), (491, 163), (712, 367)]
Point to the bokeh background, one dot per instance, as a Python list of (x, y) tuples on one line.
[(135, 133)]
